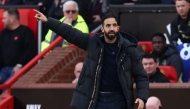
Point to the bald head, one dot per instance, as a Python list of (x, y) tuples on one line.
[(153, 103), (78, 68)]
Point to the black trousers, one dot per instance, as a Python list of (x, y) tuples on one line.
[(111, 100)]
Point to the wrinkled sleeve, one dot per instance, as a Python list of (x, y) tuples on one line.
[(139, 74), (69, 33)]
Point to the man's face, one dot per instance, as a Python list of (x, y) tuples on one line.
[(110, 28), (71, 12), (6, 19), (149, 65), (182, 7), (158, 44)]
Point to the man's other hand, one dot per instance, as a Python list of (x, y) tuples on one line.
[(140, 102)]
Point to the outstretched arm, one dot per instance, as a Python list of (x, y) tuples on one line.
[(69, 33)]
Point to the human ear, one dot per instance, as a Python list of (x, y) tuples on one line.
[(102, 29)]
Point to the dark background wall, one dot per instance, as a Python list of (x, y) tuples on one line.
[(144, 20)]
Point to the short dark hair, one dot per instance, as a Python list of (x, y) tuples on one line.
[(108, 15), (148, 56), (182, 0), (12, 11), (159, 35)]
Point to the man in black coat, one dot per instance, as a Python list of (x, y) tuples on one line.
[(180, 26), (166, 54), (110, 66), (151, 67)]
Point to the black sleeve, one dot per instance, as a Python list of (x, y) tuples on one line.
[(69, 33), (29, 47), (177, 63), (140, 50), (139, 74), (174, 33)]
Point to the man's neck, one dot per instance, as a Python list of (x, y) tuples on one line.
[(14, 26), (110, 41), (160, 54), (152, 74), (184, 17)]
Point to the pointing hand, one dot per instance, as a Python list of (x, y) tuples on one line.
[(40, 17)]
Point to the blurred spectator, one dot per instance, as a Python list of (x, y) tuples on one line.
[(44, 6), (82, 4), (180, 26), (166, 54), (91, 10), (17, 46), (56, 9), (78, 68), (71, 17), (153, 103), (151, 67)]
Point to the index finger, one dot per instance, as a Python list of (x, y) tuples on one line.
[(37, 11)]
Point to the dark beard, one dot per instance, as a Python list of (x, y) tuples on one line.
[(111, 37)]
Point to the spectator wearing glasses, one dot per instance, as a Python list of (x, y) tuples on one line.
[(72, 18), (78, 68)]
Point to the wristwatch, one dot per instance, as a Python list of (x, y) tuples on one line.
[(19, 65)]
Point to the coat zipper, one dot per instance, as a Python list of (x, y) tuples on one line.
[(95, 82)]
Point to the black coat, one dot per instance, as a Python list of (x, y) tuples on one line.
[(180, 29), (158, 77), (128, 63), (170, 56)]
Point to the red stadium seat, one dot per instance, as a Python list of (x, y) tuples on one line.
[(169, 72), (146, 46)]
